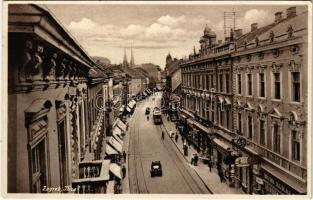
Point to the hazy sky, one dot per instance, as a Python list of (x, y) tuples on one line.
[(153, 30)]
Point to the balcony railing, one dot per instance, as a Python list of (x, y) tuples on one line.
[(283, 162), (93, 177)]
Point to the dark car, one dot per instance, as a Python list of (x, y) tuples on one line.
[(147, 111), (156, 168)]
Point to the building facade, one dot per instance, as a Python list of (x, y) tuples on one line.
[(244, 104), (47, 84)]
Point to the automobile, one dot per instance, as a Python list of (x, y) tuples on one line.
[(147, 111), (156, 168)]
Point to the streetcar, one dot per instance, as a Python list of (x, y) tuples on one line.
[(157, 117)]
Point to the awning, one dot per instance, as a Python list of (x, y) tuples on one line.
[(117, 131), (115, 144), (116, 170), (201, 127), (121, 125), (109, 150), (117, 138), (190, 121), (221, 143)]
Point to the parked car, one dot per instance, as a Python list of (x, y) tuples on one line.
[(156, 168), (147, 110)]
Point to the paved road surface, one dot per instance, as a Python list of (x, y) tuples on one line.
[(145, 146)]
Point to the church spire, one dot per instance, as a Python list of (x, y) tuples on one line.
[(132, 61), (125, 62)]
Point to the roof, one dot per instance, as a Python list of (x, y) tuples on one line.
[(173, 67), (44, 24), (262, 30)]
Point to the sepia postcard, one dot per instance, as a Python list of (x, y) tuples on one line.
[(156, 99)]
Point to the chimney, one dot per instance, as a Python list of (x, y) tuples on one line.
[(238, 33), (278, 16), (220, 41), (254, 27), (291, 12)]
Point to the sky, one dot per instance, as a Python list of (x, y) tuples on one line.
[(153, 31)]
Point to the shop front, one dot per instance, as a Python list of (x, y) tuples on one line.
[(224, 157)]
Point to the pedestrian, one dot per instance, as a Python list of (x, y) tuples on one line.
[(162, 135), (192, 159), (124, 156), (210, 165), (220, 174), (124, 171), (176, 137), (196, 160)]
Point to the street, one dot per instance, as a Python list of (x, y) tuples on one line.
[(146, 146)]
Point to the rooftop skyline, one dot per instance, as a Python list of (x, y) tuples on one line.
[(153, 30)]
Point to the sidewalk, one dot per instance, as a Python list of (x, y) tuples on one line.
[(125, 181), (210, 179)]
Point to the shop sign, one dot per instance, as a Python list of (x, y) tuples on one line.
[(278, 184), (242, 162)]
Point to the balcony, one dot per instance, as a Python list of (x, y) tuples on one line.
[(93, 177), (283, 162)]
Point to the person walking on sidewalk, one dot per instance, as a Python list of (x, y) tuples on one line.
[(196, 160), (124, 156), (124, 171), (192, 159), (220, 174), (162, 135), (210, 165)]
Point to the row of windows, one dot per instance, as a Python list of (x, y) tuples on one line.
[(206, 81), (276, 136), (276, 85)]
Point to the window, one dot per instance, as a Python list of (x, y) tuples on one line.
[(239, 83), (221, 115), (295, 86), (228, 119), (261, 85), (63, 153), (240, 123), (39, 168), (212, 80), (227, 83), (277, 85), (249, 83), (262, 132), (295, 145), (212, 112), (276, 138), (250, 127), (207, 82), (221, 82)]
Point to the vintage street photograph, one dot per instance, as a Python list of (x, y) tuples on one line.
[(111, 98)]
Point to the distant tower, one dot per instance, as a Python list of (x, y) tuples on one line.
[(125, 62), (168, 58), (132, 61)]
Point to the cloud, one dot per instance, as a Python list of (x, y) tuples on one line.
[(132, 30), (171, 20), (259, 16)]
